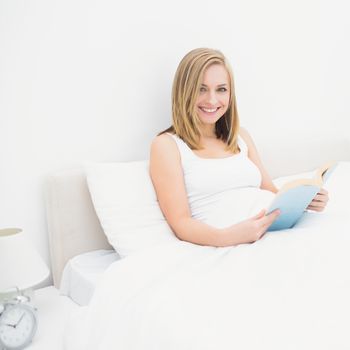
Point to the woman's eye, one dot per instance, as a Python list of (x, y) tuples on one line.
[(222, 89), (202, 89)]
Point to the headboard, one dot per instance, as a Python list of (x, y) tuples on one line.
[(73, 225)]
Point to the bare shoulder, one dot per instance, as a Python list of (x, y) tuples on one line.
[(162, 140), (164, 145)]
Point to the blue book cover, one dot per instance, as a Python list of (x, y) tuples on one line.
[(295, 196)]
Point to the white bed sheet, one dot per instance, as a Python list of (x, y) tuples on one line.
[(289, 290), (82, 273)]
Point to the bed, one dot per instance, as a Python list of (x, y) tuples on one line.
[(289, 290)]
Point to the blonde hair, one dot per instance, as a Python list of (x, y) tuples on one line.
[(186, 85)]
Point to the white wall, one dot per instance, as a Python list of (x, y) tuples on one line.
[(90, 80)]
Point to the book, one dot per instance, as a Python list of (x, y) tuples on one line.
[(294, 197)]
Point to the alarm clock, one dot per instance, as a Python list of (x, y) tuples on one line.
[(18, 324)]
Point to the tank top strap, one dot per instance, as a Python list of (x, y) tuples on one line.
[(242, 145), (186, 152), (184, 149)]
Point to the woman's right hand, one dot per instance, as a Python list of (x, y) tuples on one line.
[(252, 229)]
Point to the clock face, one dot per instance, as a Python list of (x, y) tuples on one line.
[(17, 326)]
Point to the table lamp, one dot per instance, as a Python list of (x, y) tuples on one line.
[(20, 265), (21, 268)]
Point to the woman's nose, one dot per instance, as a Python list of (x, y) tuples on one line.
[(212, 98)]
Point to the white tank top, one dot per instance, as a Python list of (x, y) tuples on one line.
[(221, 191)]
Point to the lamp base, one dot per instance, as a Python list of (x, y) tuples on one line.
[(26, 295)]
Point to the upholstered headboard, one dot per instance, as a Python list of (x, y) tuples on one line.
[(284, 156), (74, 227)]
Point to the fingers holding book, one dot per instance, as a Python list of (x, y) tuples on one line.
[(319, 202)]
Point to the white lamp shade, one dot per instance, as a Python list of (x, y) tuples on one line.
[(20, 264)]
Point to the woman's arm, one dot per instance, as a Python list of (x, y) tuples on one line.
[(318, 203), (266, 183), (168, 181)]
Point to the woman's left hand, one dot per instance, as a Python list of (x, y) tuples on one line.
[(320, 201)]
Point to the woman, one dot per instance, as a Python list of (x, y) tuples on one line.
[(185, 296), (205, 157)]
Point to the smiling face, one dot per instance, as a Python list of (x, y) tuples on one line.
[(214, 96), (203, 100)]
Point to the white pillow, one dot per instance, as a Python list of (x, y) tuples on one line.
[(127, 207)]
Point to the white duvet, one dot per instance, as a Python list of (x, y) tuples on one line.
[(289, 290)]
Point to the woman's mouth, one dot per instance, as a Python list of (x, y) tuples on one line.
[(209, 110)]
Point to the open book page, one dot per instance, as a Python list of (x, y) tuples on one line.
[(316, 177), (295, 194), (325, 172), (283, 180), (264, 198)]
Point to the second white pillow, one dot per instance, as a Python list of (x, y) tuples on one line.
[(127, 207)]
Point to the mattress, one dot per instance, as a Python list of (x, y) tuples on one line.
[(82, 273)]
